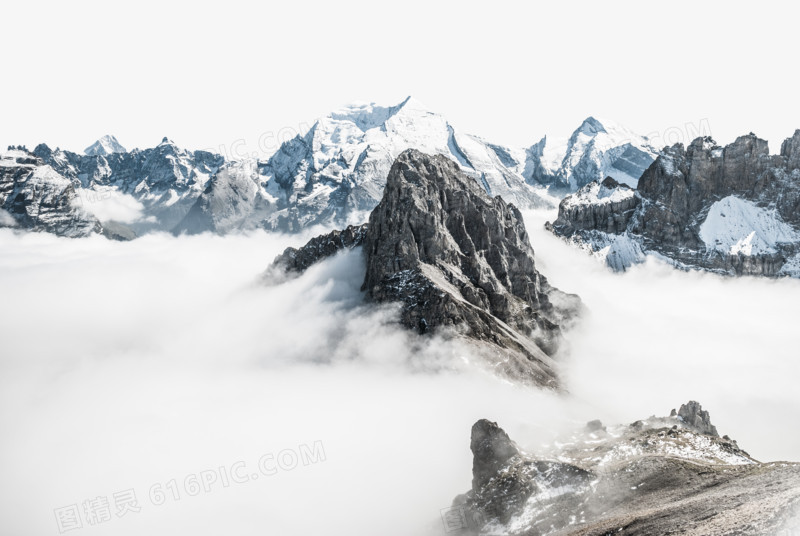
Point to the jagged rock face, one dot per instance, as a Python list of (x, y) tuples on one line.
[(491, 449), (656, 476), (732, 210), (299, 260), (504, 478), (596, 149), (457, 262), (435, 224), (35, 197), (605, 206), (692, 414)]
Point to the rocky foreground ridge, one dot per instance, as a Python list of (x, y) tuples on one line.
[(457, 262), (732, 210), (662, 475)]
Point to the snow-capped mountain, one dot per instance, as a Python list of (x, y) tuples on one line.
[(597, 149), (34, 196), (105, 146), (333, 175), (732, 210), (161, 183), (336, 172)]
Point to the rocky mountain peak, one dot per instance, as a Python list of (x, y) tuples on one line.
[(750, 145), (491, 449), (436, 230), (693, 415), (790, 149), (459, 263)]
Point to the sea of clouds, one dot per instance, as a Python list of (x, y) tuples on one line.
[(127, 366)]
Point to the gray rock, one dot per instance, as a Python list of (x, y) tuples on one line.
[(693, 415), (595, 426), (298, 260), (612, 217), (491, 449)]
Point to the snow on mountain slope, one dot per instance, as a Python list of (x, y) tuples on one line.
[(332, 175), (335, 173), (232, 200), (105, 146), (599, 193), (734, 225), (595, 150)]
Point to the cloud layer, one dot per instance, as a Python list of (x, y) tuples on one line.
[(126, 365)]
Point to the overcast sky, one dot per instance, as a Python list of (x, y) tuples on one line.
[(207, 74)]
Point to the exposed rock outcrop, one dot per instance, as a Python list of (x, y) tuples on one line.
[(457, 261), (605, 206), (733, 210), (321, 247), (657, 476), (693, 415)]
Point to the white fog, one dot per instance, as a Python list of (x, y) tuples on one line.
[(127, 365)]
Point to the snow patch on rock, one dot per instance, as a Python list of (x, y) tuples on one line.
[(597, 193), (734, 226)]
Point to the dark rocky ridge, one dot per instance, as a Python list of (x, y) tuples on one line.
[(675, 194), (457, 262), (657, 476), (321, 247)]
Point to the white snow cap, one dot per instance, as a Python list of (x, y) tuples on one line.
[(104, 146)]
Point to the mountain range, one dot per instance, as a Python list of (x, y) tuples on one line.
[(733, 210), (332, 175)]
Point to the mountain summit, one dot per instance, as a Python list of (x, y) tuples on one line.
[(596, 149), (105, 146)]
